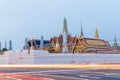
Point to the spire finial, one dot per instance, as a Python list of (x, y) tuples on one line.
[(96, 33), (115, 42), (65, 25), (81, 34)]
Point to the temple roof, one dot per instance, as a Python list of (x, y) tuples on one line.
[(37, 42)]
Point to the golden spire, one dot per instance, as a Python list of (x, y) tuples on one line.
[(96, 34), (52, 42), (57, 47), (32, 46)]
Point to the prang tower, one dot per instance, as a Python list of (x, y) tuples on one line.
[(65, 37)]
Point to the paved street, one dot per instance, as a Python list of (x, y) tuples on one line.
[(58, 74)]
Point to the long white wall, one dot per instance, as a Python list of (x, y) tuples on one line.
[(42, 57)]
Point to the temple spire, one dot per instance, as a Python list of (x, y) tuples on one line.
[(65, 26), (52, 42), (115, 42), (26, 45), (96, 34), (42, 42), (81, 34), (57, 47), (5, 44), (10, 45), (32, 44), (65, 48)]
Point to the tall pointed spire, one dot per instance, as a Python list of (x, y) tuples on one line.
[(65, 29), (32, 44), (52, 42), (96, 34), (10, 45), (81, 34), (57, 47), (115, 42), (5, 44), (42, 42), (26, 45)]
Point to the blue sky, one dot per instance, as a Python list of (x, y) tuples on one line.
[(32, 18)]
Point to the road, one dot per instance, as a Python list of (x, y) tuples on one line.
[(58, 74)]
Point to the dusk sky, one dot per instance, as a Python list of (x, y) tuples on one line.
[(20, 19)]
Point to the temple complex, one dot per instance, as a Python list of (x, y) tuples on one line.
[(65, 43)]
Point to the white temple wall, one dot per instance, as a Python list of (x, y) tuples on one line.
[(42, 57)]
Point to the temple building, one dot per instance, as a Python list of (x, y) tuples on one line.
[(36, 44), (91, 45)]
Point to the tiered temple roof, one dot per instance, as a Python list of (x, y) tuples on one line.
[(88, 45)]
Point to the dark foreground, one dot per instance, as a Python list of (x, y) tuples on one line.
[(58, 74)]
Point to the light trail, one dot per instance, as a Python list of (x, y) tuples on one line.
[(87, 66), (21, 76)]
